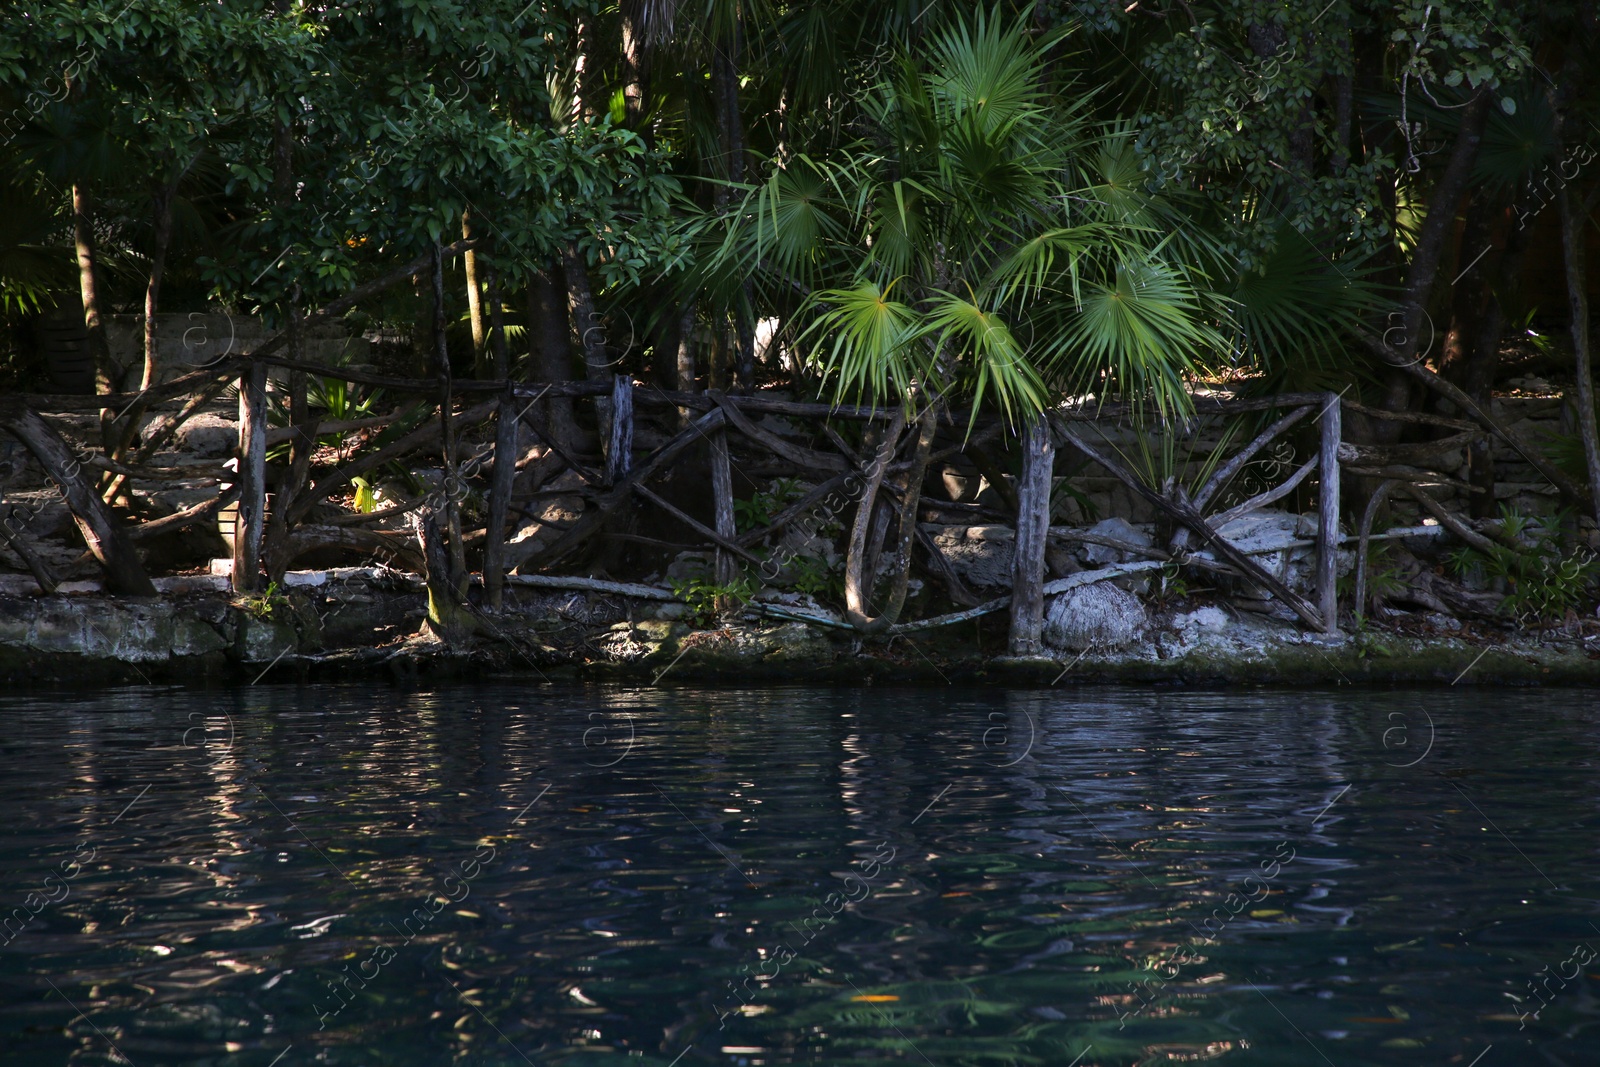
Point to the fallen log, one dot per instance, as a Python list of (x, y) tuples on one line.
[(593, 585)]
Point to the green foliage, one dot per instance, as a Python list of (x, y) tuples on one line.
[(976, 242), (1543, 582), (703, 596), (814, 577), (759, 510), (270, 603)]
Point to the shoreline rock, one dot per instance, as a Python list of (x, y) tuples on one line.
[(364, 628)]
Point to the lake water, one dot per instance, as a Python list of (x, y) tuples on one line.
[(516, 875)]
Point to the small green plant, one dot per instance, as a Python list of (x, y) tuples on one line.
[(760, 509), (365, 501), (266, 604), (1384, 580), (1170, 585), (1542, 582), (703, 597), (814, 577)]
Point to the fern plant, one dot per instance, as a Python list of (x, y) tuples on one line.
[(1543, 583)]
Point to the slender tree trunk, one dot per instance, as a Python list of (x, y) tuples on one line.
[(457, 574), (279, 540), (727, 566), (124, 571), (480, 355), (248, 525), (1573, 228), (685, 362), (106, 372), (855, 590), (152, 290), (1033, 528), (505, 455)]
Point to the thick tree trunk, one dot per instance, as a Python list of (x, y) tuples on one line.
[(124, 571), (591, 335), (549, 333), (1033, 528), (1402, 344), (1572, 242), (448, 616)]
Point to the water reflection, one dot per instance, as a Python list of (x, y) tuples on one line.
[(505, 875)]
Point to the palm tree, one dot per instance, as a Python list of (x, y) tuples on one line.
[(980, 242)]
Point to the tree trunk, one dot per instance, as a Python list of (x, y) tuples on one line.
[(1573, 227), (480, 354), (619, 448), (911, 497), (591, 335), (302, 445), (124, 571), (722, 498), (1033, 528), (448, 616), (252, 460), (452, 489), (1402, 344), (1328, 514), (549, 333), (505, 454), (162, 239), (106, 373), (685, 368)]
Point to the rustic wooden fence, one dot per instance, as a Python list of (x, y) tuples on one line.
[(265, 543)]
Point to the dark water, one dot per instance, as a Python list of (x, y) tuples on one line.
[(525, 875)]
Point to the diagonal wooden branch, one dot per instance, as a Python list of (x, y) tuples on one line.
[(612, 501), (802, 457), (1271, 496), (104, 534), (694, 524), (1226, 472), (793, 511), (1186, 514)]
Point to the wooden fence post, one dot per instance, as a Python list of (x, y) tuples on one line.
[(722, 494), (1328, 515), (252, 479), (619, 452), (1033, 527)]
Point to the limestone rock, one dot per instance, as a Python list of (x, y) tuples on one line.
[(209, 435), (1120, 529), (1099, 616)]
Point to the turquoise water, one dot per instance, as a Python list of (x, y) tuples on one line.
[(537, 875)]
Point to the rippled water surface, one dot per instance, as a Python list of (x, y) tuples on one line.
[(533, 875)]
